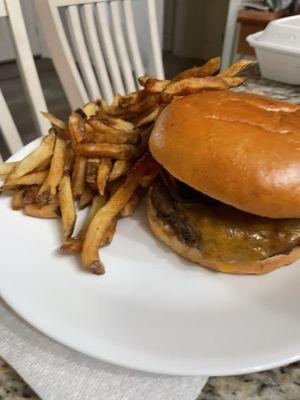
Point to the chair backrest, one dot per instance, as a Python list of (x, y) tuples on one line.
[(7, 126), (95, 47), (11, 9)]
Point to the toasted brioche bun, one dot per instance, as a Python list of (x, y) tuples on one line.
[(166, 235), (239, 148)]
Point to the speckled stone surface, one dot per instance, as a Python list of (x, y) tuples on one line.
[(278, 384), (12, 387), (259, 85)]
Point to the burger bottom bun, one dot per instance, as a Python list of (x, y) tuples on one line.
[(166, 235)]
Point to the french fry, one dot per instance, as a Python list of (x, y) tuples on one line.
[(74, 245), (109, 233), (49, 187), (237, 67), (90, 109), (92, 171), (76, 128), (143, 79), (80, 114), (33, 160), (115, 151), (104, 170), (7, 167), (47, 211), (117, 123), (130, 98), (67, 206), (195, 85), (29, 194), (69, 160), (17, 199), (88, 128), (86, 197), (119, 168), (34, 178), (98, 202), (132, 204), (116, 100), (138, 103), (210, 68), (44, 166), (100, 223), (78, 176), (235, 81), (145, 104), (146, 117), (166, 98), (101, 127), (153, 85), (98, 125), (116, 137), (54, 120), (104, 108)]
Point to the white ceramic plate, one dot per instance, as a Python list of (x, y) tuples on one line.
[(152, 310)]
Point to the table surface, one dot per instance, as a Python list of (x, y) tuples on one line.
[(277, 384)]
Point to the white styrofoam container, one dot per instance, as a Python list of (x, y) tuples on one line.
[(278, 50)]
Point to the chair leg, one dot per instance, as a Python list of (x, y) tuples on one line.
[(230, 32)]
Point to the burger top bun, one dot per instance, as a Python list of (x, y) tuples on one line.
[(240, 148)]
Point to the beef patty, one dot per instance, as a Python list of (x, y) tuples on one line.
[(220, 231)]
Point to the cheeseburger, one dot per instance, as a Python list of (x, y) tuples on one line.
[(228, 196)]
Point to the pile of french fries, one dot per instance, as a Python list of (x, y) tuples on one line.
[(99, 159)]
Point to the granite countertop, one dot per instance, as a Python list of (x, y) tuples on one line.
[(277, 384)]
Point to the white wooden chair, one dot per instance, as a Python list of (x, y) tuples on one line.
[(95, 48), (230, 33), (11, 9), (8, 128)]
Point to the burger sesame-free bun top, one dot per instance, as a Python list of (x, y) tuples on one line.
[(240, 148)]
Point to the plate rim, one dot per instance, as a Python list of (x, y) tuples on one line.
[(135, 366)]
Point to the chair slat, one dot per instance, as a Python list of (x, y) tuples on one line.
[(112, 45), (96, 52), (60, 51), (64, 3), (121, 46), (3, 11), (114, 70), (230, 33), (81, 52), (132, 38), (8, 127), (26, 65), (154, 36)]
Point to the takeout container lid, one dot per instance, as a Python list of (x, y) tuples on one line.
[(282, 35), (278, 50)]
